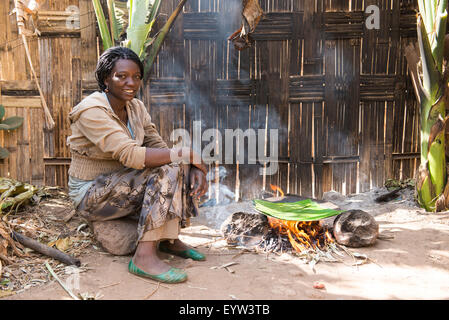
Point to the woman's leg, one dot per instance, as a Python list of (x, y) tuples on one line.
[(146, 258), (156, 196)]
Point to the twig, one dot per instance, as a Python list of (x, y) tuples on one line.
[(225, 266), (388, 196), (385, 237), (60, 282), (6, 259), (197, 288), (35, 229), (207, 243), (229, 270), (240, 253), (49, 122), (153, 292), (109, 285), (69, 216)]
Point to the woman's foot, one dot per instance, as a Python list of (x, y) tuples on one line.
[(146, 263), (180, 249), (146, 258)]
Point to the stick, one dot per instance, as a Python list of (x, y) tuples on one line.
[(19, 7), (109, 285), (153, 292), (69, 216), (387, 196), (49, 122), (60, 282), (44, 249), (6, 259)]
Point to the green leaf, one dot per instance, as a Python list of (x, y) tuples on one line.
[(2, 112), (437, 163), (4, 153), (304, 210), (122, 16), (102, 25), (438, 45), (11, 123), (113, 20), (157, 44), (140, 24), (425, 195), (431, 76)]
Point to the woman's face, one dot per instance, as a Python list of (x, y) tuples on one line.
[(124, 80)]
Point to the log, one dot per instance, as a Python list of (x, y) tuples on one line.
[(45, 250), (388, 196)]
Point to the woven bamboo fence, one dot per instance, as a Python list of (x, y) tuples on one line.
[(338, 93)]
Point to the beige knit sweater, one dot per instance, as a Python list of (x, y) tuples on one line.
[(101, 143)]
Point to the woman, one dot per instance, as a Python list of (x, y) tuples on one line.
[(121, 167)]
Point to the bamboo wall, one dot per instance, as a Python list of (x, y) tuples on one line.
[(339, 93)]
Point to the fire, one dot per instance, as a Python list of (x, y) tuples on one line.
[(276, 188), (302, 235)]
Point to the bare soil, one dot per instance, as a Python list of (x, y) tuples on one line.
[(410, 260)]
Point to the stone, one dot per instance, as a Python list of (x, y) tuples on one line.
[(355, 228), (118, 236), (333, 196), (245, 229)]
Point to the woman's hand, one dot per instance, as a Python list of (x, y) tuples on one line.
[(198, 183), (188, 156)]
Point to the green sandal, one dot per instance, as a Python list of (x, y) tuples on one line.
[(186, 254), (174, 275)]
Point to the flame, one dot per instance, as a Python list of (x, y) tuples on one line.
[(302, 235), (277, 189)]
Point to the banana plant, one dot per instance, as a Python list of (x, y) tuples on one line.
[(10, 123), (141, 15), (430, 82)]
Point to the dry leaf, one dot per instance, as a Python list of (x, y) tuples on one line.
[(62, 244), (3, 247), (5, 293), (251, 14)]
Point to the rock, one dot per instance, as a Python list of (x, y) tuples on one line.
[(245, 229), (333, 196), (117, 237), (355, 228)]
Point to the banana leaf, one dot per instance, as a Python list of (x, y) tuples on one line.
[(2, 112), (304, 210), (14, 192), (121, 16), (102, 25), (11, 123), (159, 39), (114, 24), (141, 19)]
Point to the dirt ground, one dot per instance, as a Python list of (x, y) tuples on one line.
[(410, 260)]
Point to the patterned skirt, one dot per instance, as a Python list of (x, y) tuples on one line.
[(153, 196)]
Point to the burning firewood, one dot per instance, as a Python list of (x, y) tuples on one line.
[(251, 15)]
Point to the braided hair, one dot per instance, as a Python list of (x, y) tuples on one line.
[(107, 61)]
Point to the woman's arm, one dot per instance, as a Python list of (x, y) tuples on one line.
[(155, 157)]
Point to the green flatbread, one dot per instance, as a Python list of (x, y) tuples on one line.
[(304, 210)]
